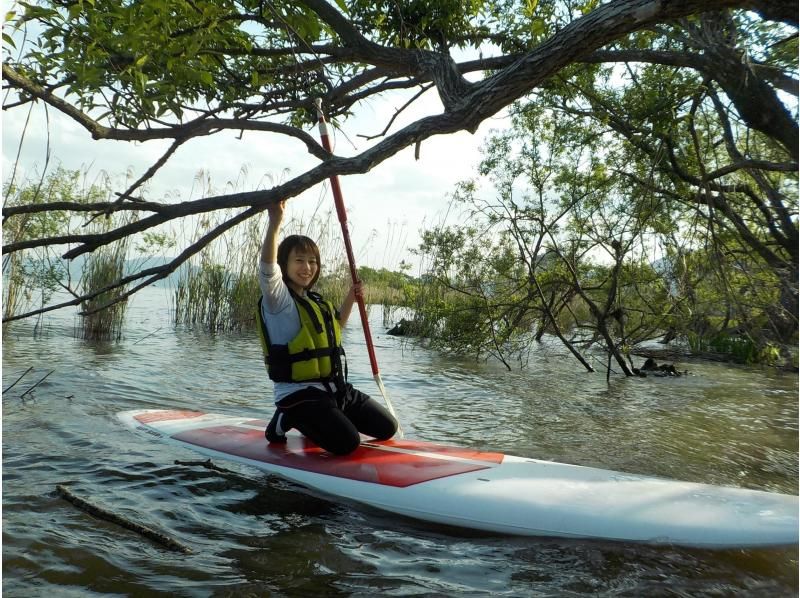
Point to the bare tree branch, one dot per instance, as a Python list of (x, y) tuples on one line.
[(363, 68), (155, 274), (699, 62)]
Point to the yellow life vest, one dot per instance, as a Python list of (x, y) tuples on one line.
[(314, 355)]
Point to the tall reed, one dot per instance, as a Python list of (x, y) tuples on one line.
[(32, 276), (217, 289), (103, 267)]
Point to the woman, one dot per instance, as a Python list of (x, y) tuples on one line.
[(301, 338)]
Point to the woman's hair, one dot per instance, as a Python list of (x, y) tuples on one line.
[(298, 243)]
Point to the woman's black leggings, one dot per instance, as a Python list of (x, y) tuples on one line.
[(334, 423)]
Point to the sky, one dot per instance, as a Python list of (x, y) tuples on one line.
[(386, 207)]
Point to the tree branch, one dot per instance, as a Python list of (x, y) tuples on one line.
[(466, 104), (699, 62), (197, 128), (155, 274)]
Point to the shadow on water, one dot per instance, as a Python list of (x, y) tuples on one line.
[(258, 535)]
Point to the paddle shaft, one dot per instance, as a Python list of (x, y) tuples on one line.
[(351, 260)]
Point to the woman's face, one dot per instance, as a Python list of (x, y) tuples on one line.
[(301, 269)]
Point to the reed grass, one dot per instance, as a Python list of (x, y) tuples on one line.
[(32, 276), (217, 290), (103, 267), (12, 277)]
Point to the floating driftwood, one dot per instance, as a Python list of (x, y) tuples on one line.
[(102, 513), (207, 464)]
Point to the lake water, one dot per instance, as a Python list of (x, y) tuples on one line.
[(255, 535)]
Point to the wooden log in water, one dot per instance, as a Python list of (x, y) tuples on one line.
[(107, 515), (207, 464)]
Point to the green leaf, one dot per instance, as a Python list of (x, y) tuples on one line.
[(7, 39), (141, 81)]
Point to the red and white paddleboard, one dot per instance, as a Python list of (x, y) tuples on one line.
[(492, 491)]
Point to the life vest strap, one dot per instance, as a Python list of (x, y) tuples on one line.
[(302, 301), (281, 353)]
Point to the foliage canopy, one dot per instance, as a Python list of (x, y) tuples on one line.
[(699, 116)]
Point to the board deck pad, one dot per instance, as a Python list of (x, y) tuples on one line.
[(381, 462)]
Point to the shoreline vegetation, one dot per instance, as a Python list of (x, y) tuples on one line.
[(212, 298), (482, 308)]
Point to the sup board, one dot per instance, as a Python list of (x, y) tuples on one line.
[(493, 492)]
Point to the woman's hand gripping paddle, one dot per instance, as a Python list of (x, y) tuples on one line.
[(351, 260)]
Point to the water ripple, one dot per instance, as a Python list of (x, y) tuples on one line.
[(257, 535)]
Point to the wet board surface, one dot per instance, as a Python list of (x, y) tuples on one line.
[(491, 491)]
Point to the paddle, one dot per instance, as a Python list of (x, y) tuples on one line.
[(351, 260)]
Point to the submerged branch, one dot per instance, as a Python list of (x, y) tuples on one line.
[(106, 515), (25, 373), (36, 384), (208, 464)]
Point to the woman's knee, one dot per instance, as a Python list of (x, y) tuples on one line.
[(386, 428), (343, 443), (375, 420), (334, 432)]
